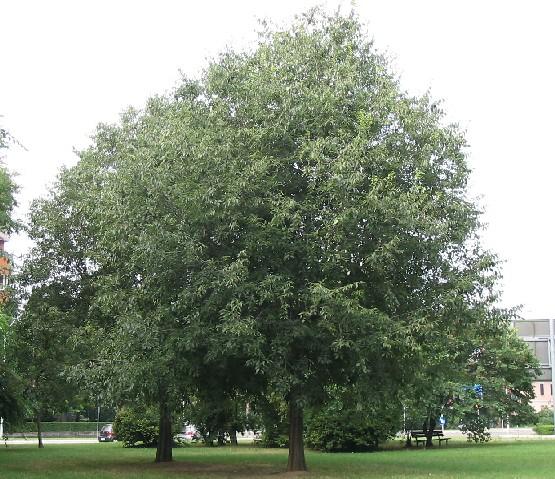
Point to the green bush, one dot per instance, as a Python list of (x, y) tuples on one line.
[(339, 428), (544, 429), (544, 416), (136, 427), (475, 427)]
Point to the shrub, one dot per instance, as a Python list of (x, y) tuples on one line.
[(136, 427), (544, 416), (337, 428), (543, 429), (474, 427)]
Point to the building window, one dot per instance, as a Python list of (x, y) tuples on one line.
[(541, 389), (551, 388), (540, 348)]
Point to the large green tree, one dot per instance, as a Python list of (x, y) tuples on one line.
[(342, 212), (293, 218)]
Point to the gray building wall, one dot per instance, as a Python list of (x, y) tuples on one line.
[(535, 333)]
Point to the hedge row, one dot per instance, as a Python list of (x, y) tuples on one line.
[(29, 427)]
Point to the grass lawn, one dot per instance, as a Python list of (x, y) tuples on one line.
[(510, 459)]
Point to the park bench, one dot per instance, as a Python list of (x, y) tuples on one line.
[(257, 439), (420, 437)]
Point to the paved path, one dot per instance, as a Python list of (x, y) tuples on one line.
[(504, 433), (496, 433)]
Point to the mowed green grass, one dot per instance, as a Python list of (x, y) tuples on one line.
[(511, 459)]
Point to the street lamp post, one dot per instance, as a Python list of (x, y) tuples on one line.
[(98, 421)]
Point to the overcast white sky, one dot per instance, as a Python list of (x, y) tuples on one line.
[(68, 65)]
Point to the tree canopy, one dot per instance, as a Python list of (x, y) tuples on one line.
[(8, 189), (292, 220)]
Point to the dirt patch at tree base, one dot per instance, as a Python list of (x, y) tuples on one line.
[(187, 468)]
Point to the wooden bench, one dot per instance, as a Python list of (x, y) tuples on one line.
[(421, 437)]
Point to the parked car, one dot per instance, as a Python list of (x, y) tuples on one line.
[(189, 433), (106, 434)]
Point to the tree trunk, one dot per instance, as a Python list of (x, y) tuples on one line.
[(430, 431), (296, 461), (233, 436), (233, 425), (39, 429), (165, 440)]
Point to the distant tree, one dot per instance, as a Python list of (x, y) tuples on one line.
[(11, 397), (103, 241), (500, 374), (8, 190), (10, 387), (54, 289), (41, 350), (482, 378)]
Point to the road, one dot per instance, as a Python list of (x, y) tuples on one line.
[(496, 433)]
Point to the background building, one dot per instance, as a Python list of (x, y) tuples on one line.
[(5, 268), (538, 334)]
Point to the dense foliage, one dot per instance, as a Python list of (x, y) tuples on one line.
[(289, 222), (340, 427), (544, 416), (491, 381), (137, 427), (544, 429), (8, 189), (11, 390), (218, 419)]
